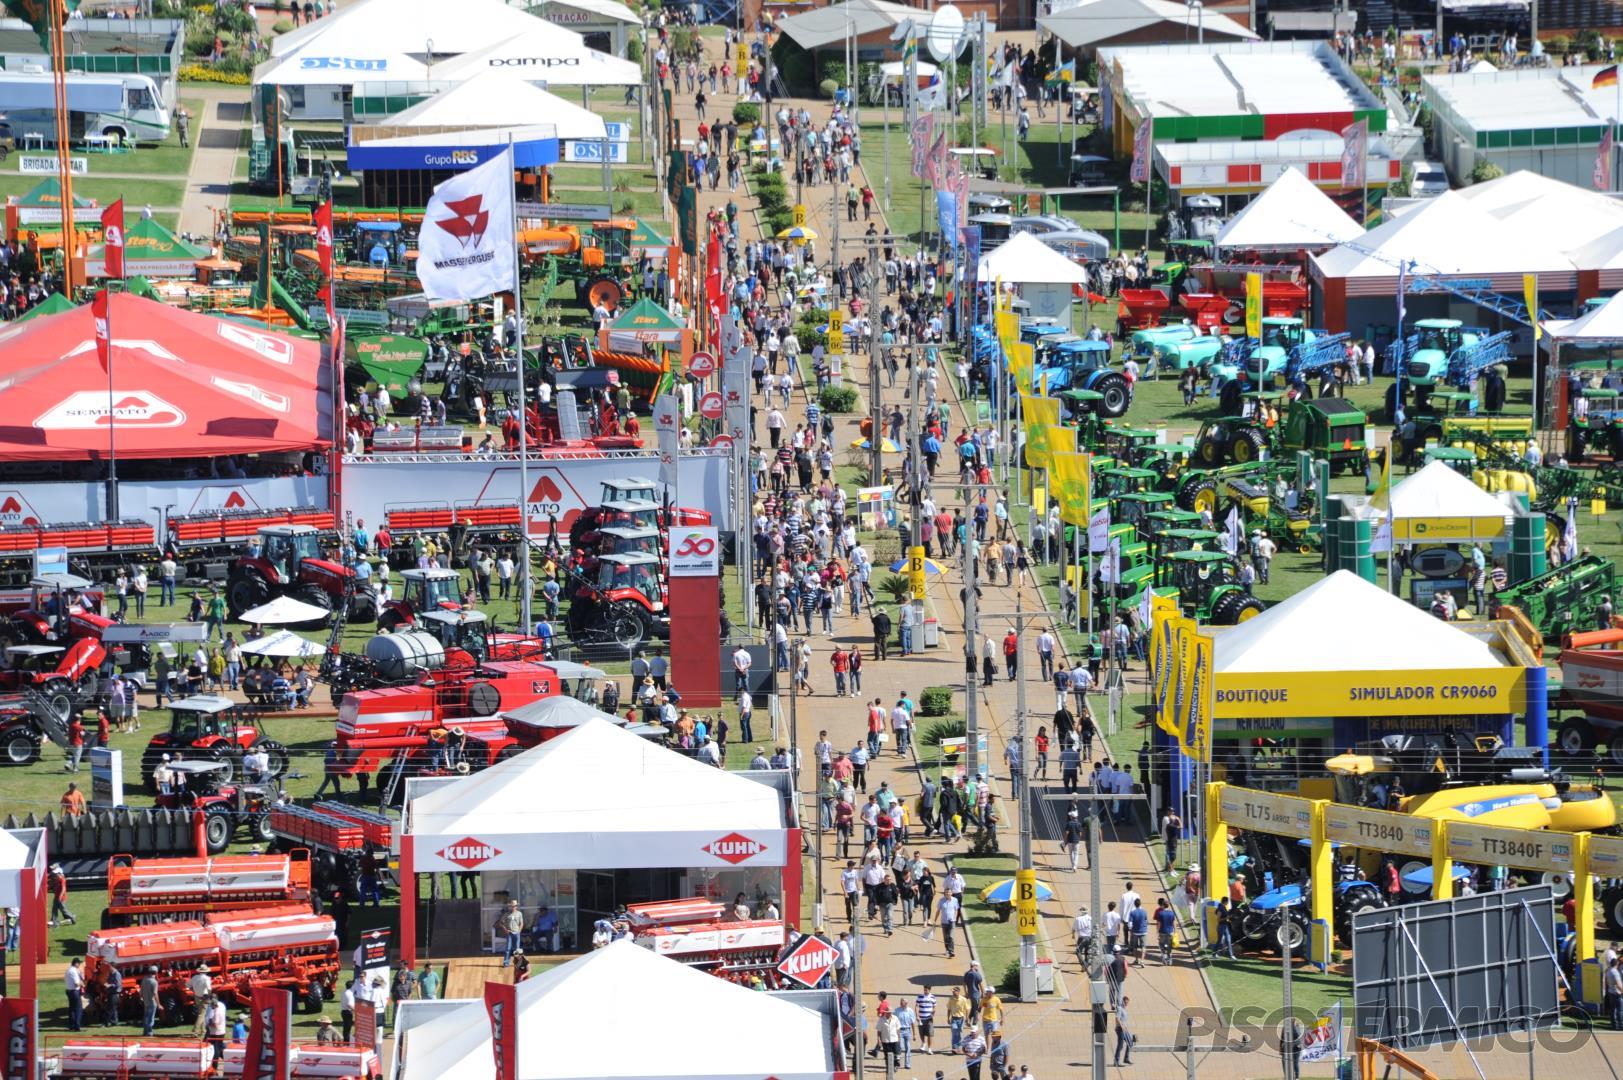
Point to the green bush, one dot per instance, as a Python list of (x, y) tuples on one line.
[(896, 588), (746, 112), (1009, 984), (634, 50), (1485, 170), (838, 399), (942, 729), (935, 701), (281, 26)]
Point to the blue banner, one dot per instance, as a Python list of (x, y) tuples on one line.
[(946, 212), (527, 153), (972, 250)]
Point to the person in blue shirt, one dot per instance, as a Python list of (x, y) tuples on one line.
[(379, 255), (546, 930), (1138, 925), (543, 630), (239, 1030)]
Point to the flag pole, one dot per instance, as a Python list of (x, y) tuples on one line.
[(524, 597), (112, 418)]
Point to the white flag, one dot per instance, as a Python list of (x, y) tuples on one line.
[(1231, 541), (1099, 531), (466, 247)]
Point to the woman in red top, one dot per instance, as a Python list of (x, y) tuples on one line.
[(840, 662), (1042, 754)]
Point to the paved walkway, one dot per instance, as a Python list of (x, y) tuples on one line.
[(214, 163)]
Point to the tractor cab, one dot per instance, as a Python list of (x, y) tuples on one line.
[(635, 513), (1131, 445), (1037, 333), (1158, 521), (628, 540), (629, 489), (1439, 335), (432, 590), (202, 719), (1168, 541), (1111, 483), (370, 236), (286, 547), (636, 573), (1079, 405), (613, 239), (1132, 508), (465, 630), (1282, 332), (32, 660), (1208, 586)]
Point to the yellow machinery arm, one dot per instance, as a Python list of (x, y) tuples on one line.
[(1369, 1050)]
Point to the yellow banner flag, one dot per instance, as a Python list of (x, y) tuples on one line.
[(1041, 411), (1070, 474), (1037, 446), (1196, 736), (1021, 362), (1253, 306), (1530, 293), (1040, 414), (1167, 628)]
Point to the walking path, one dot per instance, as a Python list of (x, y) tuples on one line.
[(216, 133)]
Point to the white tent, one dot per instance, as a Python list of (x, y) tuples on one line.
[(1375, 631), (1098, 22), (497, 99), (545, 54), (1449, 235), (316, 67), (605, 10), (1025, 260), (284, 611), (282, 643), (406, 26), (559, 711), (613, 801), (1292, 214), (1438, 494), (824, 26), (1601, 325), (760, 1034), (14, 859)]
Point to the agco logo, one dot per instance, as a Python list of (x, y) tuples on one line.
[(734, 848), (697, 545), (468, 852)]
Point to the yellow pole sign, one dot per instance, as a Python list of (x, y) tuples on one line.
[(836, 318), (741, 58), (915, 571), (1253, 306), (800, 215), (1025, 901), (836, 328)]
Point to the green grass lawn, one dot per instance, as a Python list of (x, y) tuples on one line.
[(165, 159), (135, 193)]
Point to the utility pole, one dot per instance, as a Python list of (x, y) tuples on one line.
[(876, 440), (1021, 780), (972, 729), (859, 1036)]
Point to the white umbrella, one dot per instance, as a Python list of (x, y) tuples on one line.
[(282, 643), (284, 611)]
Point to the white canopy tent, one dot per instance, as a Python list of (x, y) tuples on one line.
[(825, 26), (283, 643), (1024, 259), (1375, 631), (614, 801), (417, 27), (284, 611), (764, 1034), (316, 67), (544, 54), (1098, 22), (1600, 326), (1437, 504), (498, 99), (1293, 214)]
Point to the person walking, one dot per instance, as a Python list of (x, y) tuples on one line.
[(947, 917), (1124, 1034), (1071, 838), (510, 924)]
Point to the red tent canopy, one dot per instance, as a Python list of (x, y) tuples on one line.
[(183, 385)]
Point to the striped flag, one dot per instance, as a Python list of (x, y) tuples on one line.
[(1603, 160), (1141, 153), (1354, 152)]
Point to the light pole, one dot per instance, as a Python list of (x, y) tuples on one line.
[(1198, 9)]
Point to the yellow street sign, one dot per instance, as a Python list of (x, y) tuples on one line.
[(915, 571), (1025, 901), (836, 320), (836, 341), (741, 58), (800, 214)]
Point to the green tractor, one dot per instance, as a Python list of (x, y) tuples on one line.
[(1162, 520), (1208, 587), (1225, 439), (1600, 427), (1168, 541), (1331, 429), (1131, 509)]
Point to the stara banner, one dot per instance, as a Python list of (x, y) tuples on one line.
[(1071, 476), (1421, 692)]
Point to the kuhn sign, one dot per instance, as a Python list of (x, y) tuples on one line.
[(468, 852), (734, 848), (808, 960)]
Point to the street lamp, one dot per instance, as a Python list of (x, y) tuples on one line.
[(1198, 9)]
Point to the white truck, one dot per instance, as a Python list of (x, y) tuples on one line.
[(121, 106)]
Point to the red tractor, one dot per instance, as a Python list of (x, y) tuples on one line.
[(291, 562), (66, 676), (422, 591), (206, 727), (634, 502), (58, 608), (625, 603), (438, 641), (205, 786)]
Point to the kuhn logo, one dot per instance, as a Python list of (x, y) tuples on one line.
[(469, 220), (87, 410), (14, 510), (734, 848), (468, 852), (808, 962)]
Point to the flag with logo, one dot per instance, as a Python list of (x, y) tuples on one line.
[(112, 238), (1231, 537), (921, 138), (1070, 475), (1354, 153), (324, 254), (1253, 306), (1163, 668), (1099, 530), (1602, 176), (1201, 697), (466, 247), (269, 1053), (100, 312), (501, 1005), (1322, 1041), (936, 160), (1140, 173)]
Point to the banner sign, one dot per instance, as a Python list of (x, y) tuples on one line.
[(1378, 830), (1354, 154), (269, 1054), (1259, 811), (564, 211), (591, 151), (1025, 901), (19, 1017), (600, 851), (47, 165), (1526, 849), (695, 551), (1426, 692), (916, 572), (501, 1003)]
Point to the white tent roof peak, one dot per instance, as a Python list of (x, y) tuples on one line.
[(407, 26), (1095, 21), (1604, 323), (545, 54), (498, 99), (766, 1035), (1292, 213), (1375, 631), (824, 26), (1024, 259), (1437, 491), (1448, 235), (608, 9), (315, 66)]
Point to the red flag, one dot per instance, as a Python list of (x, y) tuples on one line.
[(112, 239), (100, 311), (269, 1054), (19, 1020), (324, 254), (501, 1002)]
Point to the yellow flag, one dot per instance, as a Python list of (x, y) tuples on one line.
[(1530, 292), (1196, 736), (1021, 362), (1070, 473), (1037, 446), (1253, 306)]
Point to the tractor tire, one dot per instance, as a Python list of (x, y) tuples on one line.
[(1211, 454), (1116, 395), (220, 751), (259, 827), (1248, 446), (1289, 930), (363, 606), (276, 752), (217, 832), (244, 591), (1614, 443), (1233, 608), (315, 596), (1560, 884), (605, 288), (627, 626), (1611, 904), (20, 746), (315, 998), (1197, 493), (1360, 900), (1575, 737), (1614, 750), (58, 697)]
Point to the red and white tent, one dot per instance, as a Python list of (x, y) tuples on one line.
[(182, 385)]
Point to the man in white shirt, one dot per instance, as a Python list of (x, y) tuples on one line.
[(1045, 653), (741, 669), (1129, 898)]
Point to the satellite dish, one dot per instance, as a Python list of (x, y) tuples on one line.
[(903, 31), (946, 27)]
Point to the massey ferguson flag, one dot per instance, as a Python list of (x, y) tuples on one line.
[(21, 1022), (269, 1054), (324, 254), (466, 247), (100, 311), (112, 239), (1140, 171), (501, 1003)]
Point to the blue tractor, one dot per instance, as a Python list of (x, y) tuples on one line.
[(1067, 362), (1286, 349), (1474, 354)]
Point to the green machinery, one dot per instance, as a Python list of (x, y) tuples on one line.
[(1564, 599), (1601, 426), (1208, 587), (1249, 488), (1331, 429)]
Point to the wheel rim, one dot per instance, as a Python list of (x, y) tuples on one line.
[(1571, 741), (19, 750), (1250, 611), (1244, 452), (627, 631), (217, 832), (1206, 499)]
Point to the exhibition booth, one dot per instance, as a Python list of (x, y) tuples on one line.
[(23, 864), (597, 818), (686, 1024)]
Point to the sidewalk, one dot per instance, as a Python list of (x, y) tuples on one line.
[(214, 163)]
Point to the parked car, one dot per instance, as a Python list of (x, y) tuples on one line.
[(1428, 180), (1042, 224), (1089, 170)]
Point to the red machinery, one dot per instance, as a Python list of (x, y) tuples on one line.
[(1592, 682), (465, 527), (296, 951), (143, 891), (119, 1059), (292, 561), (1216, 298), (341, 838), (696, 932), (317, 1062)]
